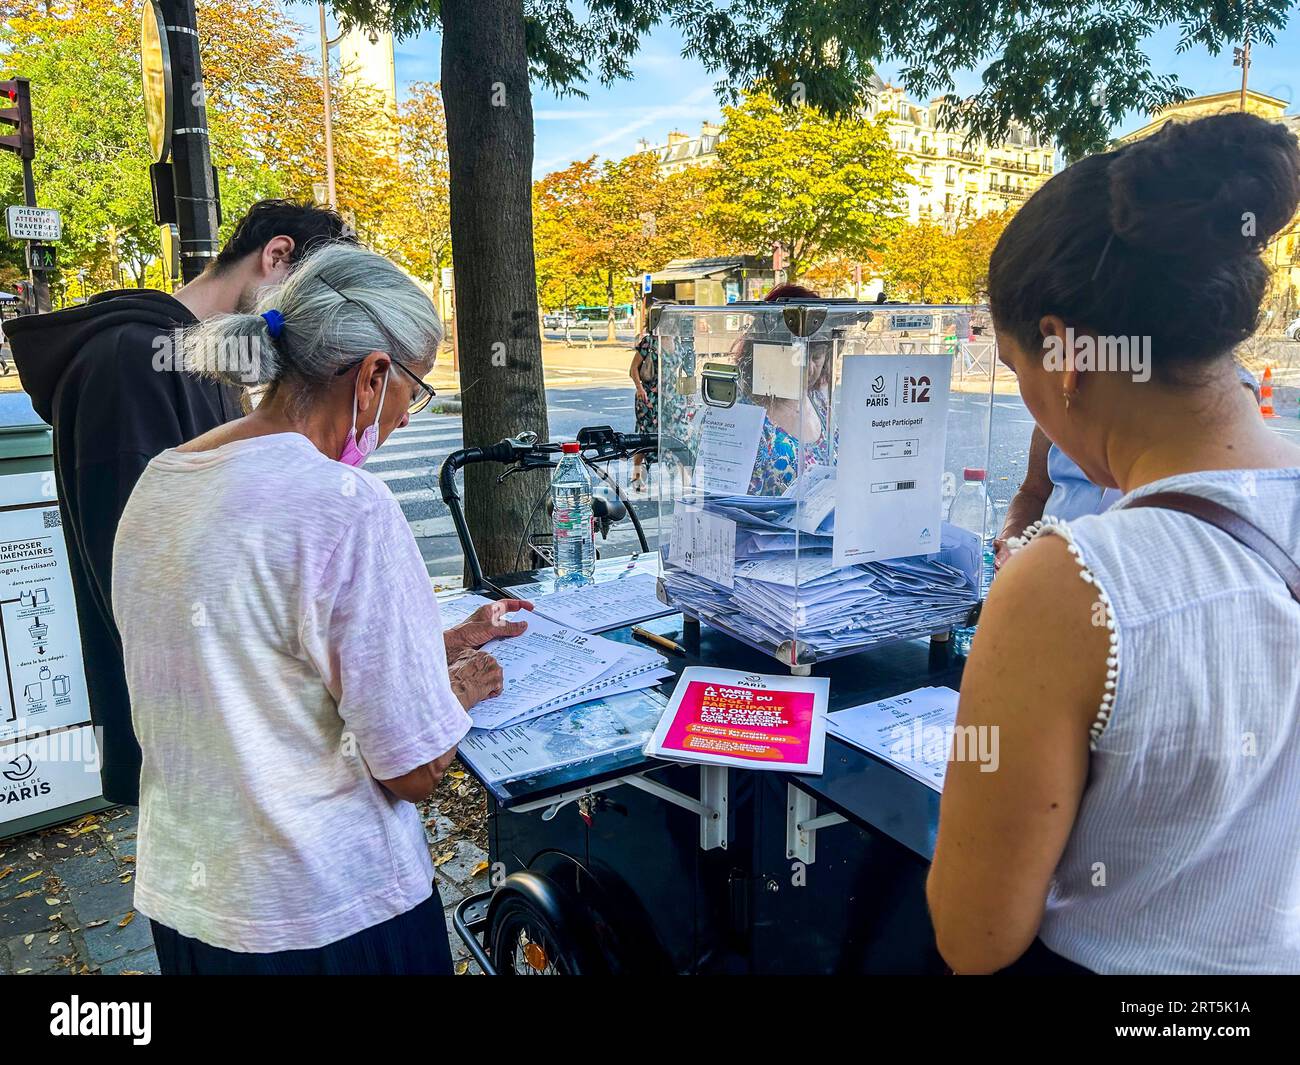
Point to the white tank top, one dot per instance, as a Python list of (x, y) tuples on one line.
[(1185, 857)]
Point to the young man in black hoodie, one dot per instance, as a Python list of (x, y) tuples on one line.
[(104, 377)]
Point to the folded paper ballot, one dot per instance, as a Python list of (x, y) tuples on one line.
[(776, 580)]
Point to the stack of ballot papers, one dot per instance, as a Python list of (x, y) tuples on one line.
[(732, 561), (912, 731), (553, 666)]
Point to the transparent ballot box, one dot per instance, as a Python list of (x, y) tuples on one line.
[(810, 456)]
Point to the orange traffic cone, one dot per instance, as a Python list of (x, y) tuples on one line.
[(1266, 394)]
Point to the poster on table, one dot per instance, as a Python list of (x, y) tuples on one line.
[(748, 720), (892, 434), (43, 688)]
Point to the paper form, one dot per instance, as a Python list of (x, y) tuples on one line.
[(913, 731), (893, 429), (599, 607), (728, 447), (599, 727)]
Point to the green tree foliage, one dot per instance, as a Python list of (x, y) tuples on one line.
[(930, 263), (819, 186), (597, 227), (264, 105), (922, 264), (424, 211), (559, 202), (92, 158), (1068, 70)]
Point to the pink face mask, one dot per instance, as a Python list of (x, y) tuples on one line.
[(354, 451)]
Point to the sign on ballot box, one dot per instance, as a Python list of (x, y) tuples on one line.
[(34, 223)]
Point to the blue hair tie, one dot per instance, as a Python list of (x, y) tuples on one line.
[(274, 323)]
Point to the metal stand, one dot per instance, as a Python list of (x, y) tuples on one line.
[(711, 806), (801, 825)]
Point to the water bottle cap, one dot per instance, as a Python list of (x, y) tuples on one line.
[(571, 448), (972, 473)]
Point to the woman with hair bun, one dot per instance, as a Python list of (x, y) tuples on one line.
[(287, 666), (1137, 667)]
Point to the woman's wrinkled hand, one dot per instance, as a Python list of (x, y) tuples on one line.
[(487, 623), (475, 676)]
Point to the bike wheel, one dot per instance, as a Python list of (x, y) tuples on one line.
[(524, 942)]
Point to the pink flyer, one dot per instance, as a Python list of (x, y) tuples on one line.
[(752, 720)]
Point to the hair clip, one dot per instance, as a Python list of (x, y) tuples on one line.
[(1102, 258), (274, 323)]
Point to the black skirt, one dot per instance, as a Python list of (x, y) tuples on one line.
[(411, 944)]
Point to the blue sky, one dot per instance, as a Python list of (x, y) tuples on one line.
[(668, 92)]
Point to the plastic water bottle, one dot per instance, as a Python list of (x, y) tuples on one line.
[(575, 547), (973, 510)]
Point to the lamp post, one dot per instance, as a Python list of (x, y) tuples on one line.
[(331, 190), (1241, 57)]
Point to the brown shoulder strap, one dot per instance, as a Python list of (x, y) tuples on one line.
[(1245, 532)]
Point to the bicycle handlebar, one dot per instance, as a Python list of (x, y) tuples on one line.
[(525, 450)]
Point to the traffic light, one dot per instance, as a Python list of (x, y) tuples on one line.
[(16, 111)]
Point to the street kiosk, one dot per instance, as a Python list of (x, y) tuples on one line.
[(616, 862), (49, 760)]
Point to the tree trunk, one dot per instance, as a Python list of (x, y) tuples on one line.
[(490, 148)]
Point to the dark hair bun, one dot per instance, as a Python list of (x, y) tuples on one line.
[(1217, 187)]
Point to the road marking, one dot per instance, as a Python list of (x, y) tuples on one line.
[(433, 527)]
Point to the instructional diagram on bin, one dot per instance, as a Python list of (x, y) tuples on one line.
[(44, 682)]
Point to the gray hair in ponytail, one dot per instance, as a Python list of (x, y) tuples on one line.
[(340, 303)]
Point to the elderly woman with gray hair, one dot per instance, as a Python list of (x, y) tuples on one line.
[(287, 666)]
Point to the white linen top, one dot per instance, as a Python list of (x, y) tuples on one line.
[(283, 652), (1185, 856)]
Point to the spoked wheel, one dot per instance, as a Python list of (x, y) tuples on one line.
[(526, 943)]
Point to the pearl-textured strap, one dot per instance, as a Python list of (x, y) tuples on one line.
[(1062, 529)]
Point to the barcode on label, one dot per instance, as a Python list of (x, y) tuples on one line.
[(903, 485)]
